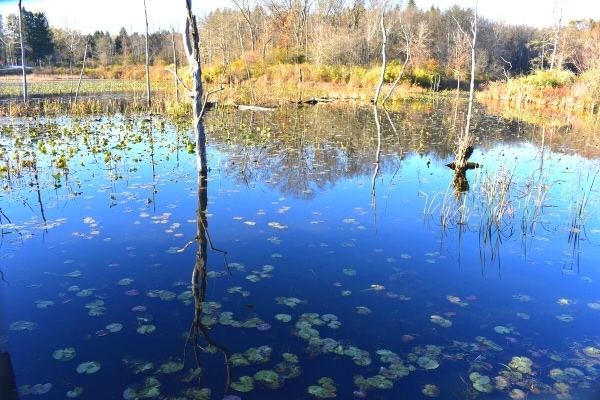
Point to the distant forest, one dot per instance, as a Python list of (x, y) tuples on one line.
[(331, 33)]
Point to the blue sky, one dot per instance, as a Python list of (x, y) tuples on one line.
[(110, 15)]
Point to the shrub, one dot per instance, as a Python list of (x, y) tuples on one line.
[(548, 78)]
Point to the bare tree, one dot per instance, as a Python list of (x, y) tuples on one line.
[(383, 52), (175, 64), (191, 44), (556, 33), (82, 70), (464, 145), (245, 8), (148, 98), (25, 97)]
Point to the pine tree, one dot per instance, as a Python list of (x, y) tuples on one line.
[(37, 35)]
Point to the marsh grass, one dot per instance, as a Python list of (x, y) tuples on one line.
[(501, 203), (557, 90), (580, 209)]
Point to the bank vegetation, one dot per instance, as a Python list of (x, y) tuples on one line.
[(268, 51)]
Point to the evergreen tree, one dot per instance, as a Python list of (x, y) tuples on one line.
[(37, 35)]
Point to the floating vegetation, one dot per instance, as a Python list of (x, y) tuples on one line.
[(170, 367), (277, 225), (521, 364), (481, 383), (283, 317), (522, 297), (146, 329), (139, 367), (257, 355), (65, 354), (565, 318), (274, 239), (594, 306), (324, 390), (523, 315), (245, 384), (85, 292), (44, 303), (257, 275), (289, 301), (443, 322), (268, 378), (88, 367), (363, 310), (502, 329), (125, 281), (147, 390), (95, 304), (167, 295), (114, 327), (193, 374), (346, 293), (349, 271), (427, 363), (430, 390), (40, 388), (263, 326), (565, 302), (591, 351), (377, 288), (456, 300), (517, 394), (567, 375), (23, 326), (488, 343), (76, 392)]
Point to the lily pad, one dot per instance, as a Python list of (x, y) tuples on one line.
[(283, 317), (502, 329), (65, 354), (591, 351), (427, 363), (146, 329), (23, 326), (89, 367), (565, 318)]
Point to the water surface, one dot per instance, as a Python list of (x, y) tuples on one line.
[(488, 294)]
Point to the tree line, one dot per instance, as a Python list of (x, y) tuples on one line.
[(323, 33)]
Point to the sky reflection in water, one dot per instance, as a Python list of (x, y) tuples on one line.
[(389, 272)]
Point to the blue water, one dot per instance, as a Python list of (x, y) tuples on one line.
[(393, 239)]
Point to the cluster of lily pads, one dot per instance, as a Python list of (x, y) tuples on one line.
[(272, 378), (324, 390)]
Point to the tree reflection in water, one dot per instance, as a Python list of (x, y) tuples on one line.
[(198, 330)]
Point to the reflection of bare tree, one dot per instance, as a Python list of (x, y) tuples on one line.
[(377, 165), (199, 279)]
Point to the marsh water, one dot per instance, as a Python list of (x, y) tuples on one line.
[(333, 259)]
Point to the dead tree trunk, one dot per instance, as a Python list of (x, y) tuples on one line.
[(25, 96), (175, 64), (81, 72), (383, 52), (148, 98), (556, 36), (191, 44), (464, 146)]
